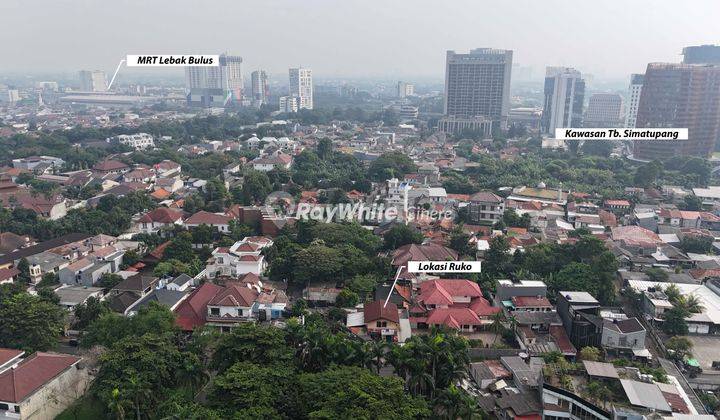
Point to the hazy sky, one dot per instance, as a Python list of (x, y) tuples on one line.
[(392, 38)]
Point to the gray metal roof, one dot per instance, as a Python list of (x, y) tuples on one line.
[(645, 394), (600, 369)]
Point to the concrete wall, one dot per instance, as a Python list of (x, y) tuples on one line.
[(56, 396)]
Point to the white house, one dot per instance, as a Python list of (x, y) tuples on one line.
[(137, 141), (220, 222), (159, 218), (243, 257)]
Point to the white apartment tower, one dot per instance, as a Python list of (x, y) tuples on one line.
[(636, 84), (301, 87), (93, 81), (288, 104), (260, 87), (405, 89), (232, 65), (224, 80), (564, 96), (604, 110)]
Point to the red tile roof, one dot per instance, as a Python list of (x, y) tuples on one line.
[(561, 339), (441, 292), (486, 197), (109, 165), (530, 301), (634, 234), (7, 355), (6, 274), (160, 194), (235, 294), (453, 317), (159, 251), (624, 203), (429, 252), (376, 310), (191, 312), (207, 218), (32, 374), (161, 215)]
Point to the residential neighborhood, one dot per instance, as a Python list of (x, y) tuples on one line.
[(353, 220)]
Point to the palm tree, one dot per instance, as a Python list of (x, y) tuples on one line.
[(453, 403), (139, 392), (399, 359), (117, 405), (497, 326), (376, 350), (690, 303), (673, 293), (513, 323), (192, 373)]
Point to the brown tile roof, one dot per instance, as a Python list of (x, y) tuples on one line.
[(207, 218), (7, 355), (191, 312), (430, 252), (235, 294), (161, 215), (8, 273), (109, 165), (376, 310), (486, 197), (160, 194), (31, 374)]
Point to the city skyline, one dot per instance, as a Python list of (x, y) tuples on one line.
[(412, 41)]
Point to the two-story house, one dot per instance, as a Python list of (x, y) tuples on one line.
[(161, 217), (241, 258), (485, 207), (377, 320), (219, 222), (232, 305), (454, 303), (623, 335)]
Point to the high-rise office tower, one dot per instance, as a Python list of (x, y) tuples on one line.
[(232, 65), (701, 54), (564, 96), (405, 89), (301, 87), (636, 83), (260, 87), (215, 85), (679, 96), (604, 110), (93, 81), (477, 89)]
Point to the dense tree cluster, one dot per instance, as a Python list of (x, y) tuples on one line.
[(112, 216), (585, 265), (310, 370), (29, 322), (312, 252)]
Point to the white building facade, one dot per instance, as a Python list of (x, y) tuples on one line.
[(301, 87)]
